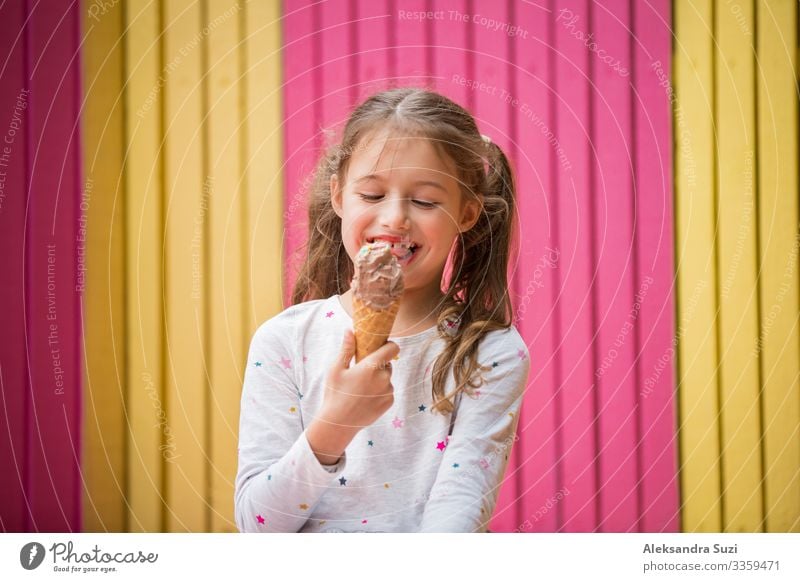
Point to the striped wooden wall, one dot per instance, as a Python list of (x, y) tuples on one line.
[(594, 280), (40, 189), (663, 394), (182, 118), (736, 131)]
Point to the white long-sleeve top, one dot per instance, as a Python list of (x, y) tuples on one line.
[(403, 473)]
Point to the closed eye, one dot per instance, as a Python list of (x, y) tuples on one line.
[(376, 197), (425, 204)]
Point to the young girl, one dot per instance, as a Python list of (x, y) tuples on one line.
[(388, 444)]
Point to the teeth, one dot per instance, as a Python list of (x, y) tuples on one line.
[(402, 245), (402, 250)]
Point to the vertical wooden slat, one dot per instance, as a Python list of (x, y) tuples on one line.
[(778, 253), (148, 422), (263, 162), (373, 23), (14, 384), (225, 290), (53, 317), (301, 23), (491, 66), (332, 84), (652, 148), (450, 41), (736, 264), (696, 265), (616, 278), (450, 51), (575, 407), (101, 271), (410, 60), (335, 60), (187, 194), (540, 157), (335, 48)]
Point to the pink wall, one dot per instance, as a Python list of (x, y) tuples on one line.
[(591, 143), (39, 355)]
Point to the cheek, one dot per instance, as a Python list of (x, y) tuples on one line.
[(354, 224), (439, 229)]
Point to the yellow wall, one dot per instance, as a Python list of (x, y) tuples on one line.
[(735, 132), (183, 147)]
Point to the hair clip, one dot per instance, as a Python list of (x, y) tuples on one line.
[(486, 139)]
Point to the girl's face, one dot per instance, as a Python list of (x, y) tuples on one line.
[(399, 187)]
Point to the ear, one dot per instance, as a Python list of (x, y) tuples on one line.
[(336, 195), (469, 214)]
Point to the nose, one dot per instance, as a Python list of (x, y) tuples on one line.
[(394, 213)]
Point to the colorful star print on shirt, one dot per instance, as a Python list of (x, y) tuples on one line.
[(389, 478)]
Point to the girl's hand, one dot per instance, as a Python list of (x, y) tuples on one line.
[(357, 396)]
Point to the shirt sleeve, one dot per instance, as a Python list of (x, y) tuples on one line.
[(474, 461), (279, 479)]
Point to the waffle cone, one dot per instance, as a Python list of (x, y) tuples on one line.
[(372, 326)]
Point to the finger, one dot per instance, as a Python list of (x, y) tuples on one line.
[(348, 350), (383, 355)]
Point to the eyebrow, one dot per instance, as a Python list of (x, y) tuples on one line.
[(417, 183)]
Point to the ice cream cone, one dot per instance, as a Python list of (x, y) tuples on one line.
[(377, 287), (372, 326)]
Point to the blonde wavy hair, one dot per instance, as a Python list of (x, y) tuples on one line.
[(477, 293)]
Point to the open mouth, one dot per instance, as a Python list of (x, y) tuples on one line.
[(402, 250)]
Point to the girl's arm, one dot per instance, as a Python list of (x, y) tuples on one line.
[(280, 479), (464, 494)]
